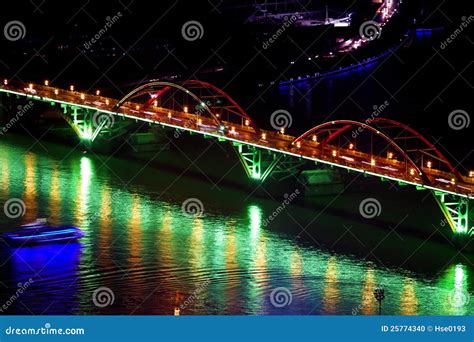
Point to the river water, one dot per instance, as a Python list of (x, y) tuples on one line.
[(144, 249)]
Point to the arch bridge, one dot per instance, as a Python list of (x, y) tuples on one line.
[(381, 147)]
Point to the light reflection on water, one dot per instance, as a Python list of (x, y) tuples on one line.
[(146, 250)]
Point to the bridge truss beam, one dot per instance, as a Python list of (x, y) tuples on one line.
[(456, 212)]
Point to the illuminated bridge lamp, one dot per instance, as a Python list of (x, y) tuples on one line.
[(83, 97), (107, 102), (46, 83), (264, 136), (169, 115), (155, 103), (56, 92), (71, 88), (199, 121), (247, 122), (186, 109), (412, 171), (390, 155), (471, 174), (351, 146), (217, 115), (282, 130), (30, 86), (428, 164), (232, 129), (314, 138), (372, 162), (334, 153), (453, 181), (97, 92), (298, 144), (137, 107), (5, 82)]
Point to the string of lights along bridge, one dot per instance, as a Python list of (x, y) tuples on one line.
[(379, 147)]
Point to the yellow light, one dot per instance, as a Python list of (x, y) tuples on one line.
[(185, 109), (264, 136), (46, 83), (199, 121), (169, 115), (247, 122), (5, 81), (315, 138), (217, 115), (137, 107), (412, 171), (298, 144), (30, 86), (282, 130), (471, 173), (232, 129), (155, 103), (390, 155), (83, 97), (372, 162), (453, 181), (97, 92), (428, 164), (351, 146), (71, 88), (56, 92), (107, 102), (334, 153)]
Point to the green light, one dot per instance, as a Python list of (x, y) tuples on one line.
[(256, 175)]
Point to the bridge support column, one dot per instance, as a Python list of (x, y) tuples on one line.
[(259, 164), (456, 212)]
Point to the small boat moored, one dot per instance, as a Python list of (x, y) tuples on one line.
[(41, 232)]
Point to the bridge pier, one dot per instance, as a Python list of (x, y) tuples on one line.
[(260, 164)]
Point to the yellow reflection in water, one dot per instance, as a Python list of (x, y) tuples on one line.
[(369, 304), (231, 250), (165, 240), (408, 300), (83, 192), (331, 292), (4, 171), (105, 232), (197, 244), (55, 198), (135, 232), (30, 197)]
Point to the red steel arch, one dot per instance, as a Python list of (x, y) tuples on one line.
[(348, 124), (158, 88), (384, 123)]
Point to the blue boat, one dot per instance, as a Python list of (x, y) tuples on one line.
[(41, 232)]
